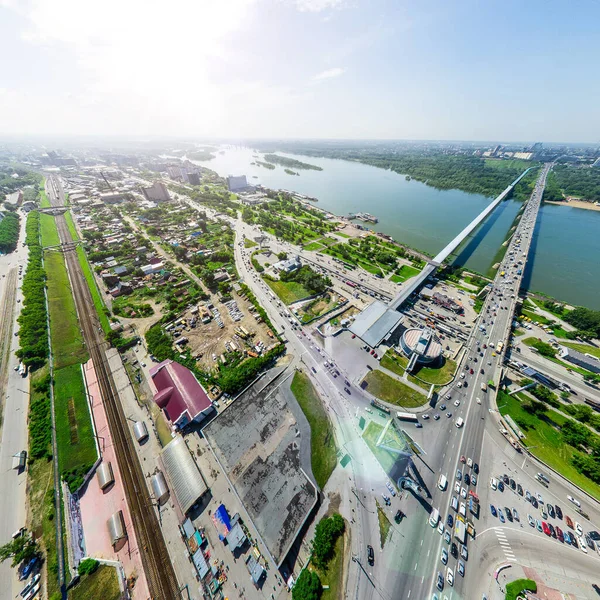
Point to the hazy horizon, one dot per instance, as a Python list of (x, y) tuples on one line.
[(301, 69)]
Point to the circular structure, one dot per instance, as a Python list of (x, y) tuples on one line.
[(421, 342)]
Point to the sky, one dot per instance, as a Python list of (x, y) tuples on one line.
[(349, 69)]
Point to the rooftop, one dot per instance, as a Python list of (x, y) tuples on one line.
[(257, 441), (374, 323)]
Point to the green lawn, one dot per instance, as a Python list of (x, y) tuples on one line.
[(344, 235), (514, 588), (71, 225), (44, 202), (74, 433), (48, 231), (313, 247), (583, 348), (322, 442), (249, 243), (67, 341), (544, 438), (288, 291), (391, 390), (403, 273), (103, 583), (384, 525), (332, 576), (398, 362), (96, 297)]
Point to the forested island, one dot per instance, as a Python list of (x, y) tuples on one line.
[(200, 155), (570, 180), (291, 163)]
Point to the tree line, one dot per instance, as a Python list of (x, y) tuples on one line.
[(9, 232)]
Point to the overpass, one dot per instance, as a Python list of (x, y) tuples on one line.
[(430, 268)]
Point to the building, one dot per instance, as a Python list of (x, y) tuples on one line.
[(184, 476), (157, 192), (112, 197), (236, 183), (254, 199), (288, 265), (179, 394), (15, 199), (376, 323), (193, 178), (442, 300), (586, 361), (152, 268), (422, 343), (29, 206)]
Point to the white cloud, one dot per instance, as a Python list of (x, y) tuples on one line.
[(317, 5), (329, 74)]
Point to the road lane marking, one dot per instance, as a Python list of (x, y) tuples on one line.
[(416, 566)]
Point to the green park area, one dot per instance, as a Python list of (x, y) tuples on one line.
[(403, 273), (544, 438), (102, 583), (249, 243), (322, 441), (391, 390), (313, 247), (424, 376), (67, 342), (74, 432), (288, 291), (48, 231)]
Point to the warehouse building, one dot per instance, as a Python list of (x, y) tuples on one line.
[(581, 360)]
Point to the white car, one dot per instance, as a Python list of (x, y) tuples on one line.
[(457, 403), (539, 498), (574, 501), (494, 483), (450, 576), (457, 487), (478, 400), (469, 462), (582, 544), (578, 529), (463, 492)]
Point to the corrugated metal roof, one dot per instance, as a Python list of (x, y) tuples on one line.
[(187, 483), (375, 322)]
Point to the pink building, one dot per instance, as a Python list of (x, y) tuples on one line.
[(179, 394)]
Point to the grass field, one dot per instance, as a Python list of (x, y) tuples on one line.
[(67, 342), (583, 348), (544, 437), (48, 231), (391, 390), (313, 247), (384, 525), (288, 291), (249, 243), (96, 297), (514, 588), (103, 583), (397, 363), (403, 273), (333, 574), (44, 202), (317, 307), (71, 225), (74, 433), (344, 235), (322, 442)]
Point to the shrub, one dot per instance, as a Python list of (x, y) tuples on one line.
[(307, 587), (88, 566)]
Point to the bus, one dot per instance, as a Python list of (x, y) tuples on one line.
[(404, 416), (434, 517)]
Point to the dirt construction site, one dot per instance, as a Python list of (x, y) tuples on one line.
[(211, 329)]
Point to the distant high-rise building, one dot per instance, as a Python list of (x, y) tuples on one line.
[(157, 192), (236, 183), (193, 178), (176, 173)]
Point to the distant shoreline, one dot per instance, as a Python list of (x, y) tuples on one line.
[(575, 204)]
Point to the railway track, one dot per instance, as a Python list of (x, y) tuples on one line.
[(160, 575)]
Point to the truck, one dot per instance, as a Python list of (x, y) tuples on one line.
[(380, 407), (483, 387), (499, 347), (19, 460), (460, 530)]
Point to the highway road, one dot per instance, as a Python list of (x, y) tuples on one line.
[(13, 434)]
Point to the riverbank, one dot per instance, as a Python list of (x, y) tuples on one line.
[(575, 204)]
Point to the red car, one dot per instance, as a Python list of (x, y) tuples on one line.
[(353, 336), (569, 522), (471, 371), (372, 351), (546, 528), (559, 534)]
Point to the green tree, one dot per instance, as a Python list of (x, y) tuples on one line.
[(326, 534), (88, 566), (307, 587), (21, 549)]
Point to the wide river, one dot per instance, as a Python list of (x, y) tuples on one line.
[(565, 260)]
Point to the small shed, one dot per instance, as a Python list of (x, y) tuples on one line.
[(116, 528), (105, 475), (160, 490), (140, 431)]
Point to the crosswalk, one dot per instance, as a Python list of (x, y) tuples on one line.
[(505, 545)]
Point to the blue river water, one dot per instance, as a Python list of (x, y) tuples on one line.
[(566, 249)]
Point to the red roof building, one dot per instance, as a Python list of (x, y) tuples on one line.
[(179, 394)]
